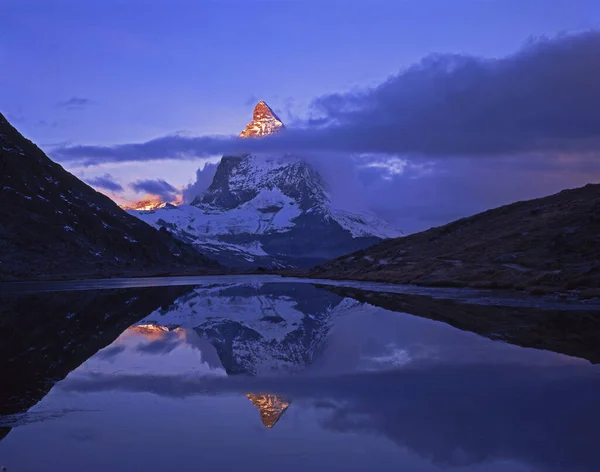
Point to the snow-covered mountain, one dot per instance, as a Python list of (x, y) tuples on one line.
[(268, 210)]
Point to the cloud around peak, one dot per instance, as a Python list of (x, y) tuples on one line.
[(542, 99)]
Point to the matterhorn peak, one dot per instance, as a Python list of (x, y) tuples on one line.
[(263, 111), (264, 122)]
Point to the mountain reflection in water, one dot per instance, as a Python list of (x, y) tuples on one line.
[(162, 339), (271, 407), (362, 387)]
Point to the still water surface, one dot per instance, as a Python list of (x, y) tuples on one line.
[(259, 374)]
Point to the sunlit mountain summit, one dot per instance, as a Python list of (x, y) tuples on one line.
[(269, 210), (264, 122)]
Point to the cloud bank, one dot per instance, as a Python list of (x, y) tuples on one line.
[(542, 99)]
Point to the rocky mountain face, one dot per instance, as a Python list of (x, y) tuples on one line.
[(544, 245), (264, 122), (53, 224), (266, 210)]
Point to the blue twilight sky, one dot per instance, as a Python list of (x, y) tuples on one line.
[(113, 72)]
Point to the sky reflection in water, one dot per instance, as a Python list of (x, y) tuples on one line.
[(271, 376)]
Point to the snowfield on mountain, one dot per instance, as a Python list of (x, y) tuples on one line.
[(268, 210)]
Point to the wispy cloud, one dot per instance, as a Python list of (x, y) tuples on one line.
[(106, 182), (157, 187), (74, 103), (204, 177), (392, 166), (542, 99)]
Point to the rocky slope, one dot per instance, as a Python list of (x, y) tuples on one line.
[(543, 245), (266, 210), (53, 224)]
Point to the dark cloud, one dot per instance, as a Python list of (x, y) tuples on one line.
[(168, 147), (544, 99), (74, 103), (156, 187), (107, 182), (412, 149)]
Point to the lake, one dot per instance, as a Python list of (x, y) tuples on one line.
[(268, 373)]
